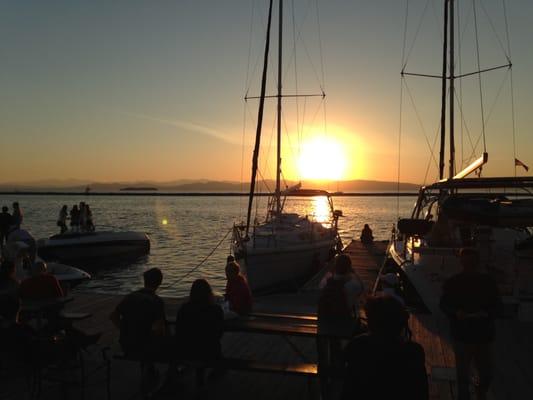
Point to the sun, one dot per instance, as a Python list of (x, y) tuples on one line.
[(322, 158)]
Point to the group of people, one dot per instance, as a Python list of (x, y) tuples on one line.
[(469, 299), (144, 333), (10, 222), (31, 342), (81, 218)]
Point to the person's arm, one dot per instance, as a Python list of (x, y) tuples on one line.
[(447, 304), (419, 387), (115, 318), (495, 305), (116, 314), (159, 327)]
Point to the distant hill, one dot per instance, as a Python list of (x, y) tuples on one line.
[(200, 186)]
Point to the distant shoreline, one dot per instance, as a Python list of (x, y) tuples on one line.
[(199, 194)]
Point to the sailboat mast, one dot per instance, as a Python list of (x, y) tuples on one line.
[(452, 90), (259, 121), (278, 161), (443, 94)]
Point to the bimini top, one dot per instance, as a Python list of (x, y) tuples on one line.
[(483, 183), (305, 192)]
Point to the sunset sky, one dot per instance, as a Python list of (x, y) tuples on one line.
[(153, 90)]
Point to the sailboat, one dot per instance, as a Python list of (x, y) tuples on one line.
[(284, 248), (492, 214)]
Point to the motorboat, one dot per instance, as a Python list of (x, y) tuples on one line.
[(93, 245), (19, 252), (285, 247)]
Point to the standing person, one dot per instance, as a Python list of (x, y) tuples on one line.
[(238, 293), (90, 223), (340, 291), (83, 217), (17, 217), (199, 326), (382, 364), (5, 223), (140, 316), (471, 301), (338, 308), (62, 219), (75, 218)]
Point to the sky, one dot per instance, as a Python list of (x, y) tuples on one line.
[(143, 90)]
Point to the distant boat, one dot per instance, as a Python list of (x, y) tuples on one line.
[(93, 245), (286, 247), (493, 215)]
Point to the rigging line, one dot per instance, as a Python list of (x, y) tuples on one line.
[(508, 56), (492, 108), (421, 123), (416, 34), (247, 81), (460, 67), (323, 84), (402, 78), (435, 141), (479, 78), (404, 45), (245, 107), (201, 262), (464, 124), (295, 72), (508, 37)]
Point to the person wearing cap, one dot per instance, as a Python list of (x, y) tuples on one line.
[(389, 285), (471, 302)]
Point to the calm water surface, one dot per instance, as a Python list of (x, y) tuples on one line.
[(184, 230)]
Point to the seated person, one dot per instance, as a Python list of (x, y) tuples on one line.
[(200, 323), (140, 316), (8, 282), (383, 364), (199, 326), (366, 235), (41, 285), (22, 346), (238, 292)]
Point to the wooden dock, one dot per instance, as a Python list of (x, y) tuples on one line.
[(514, 349)]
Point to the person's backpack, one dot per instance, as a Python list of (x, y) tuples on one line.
[(332, 301)]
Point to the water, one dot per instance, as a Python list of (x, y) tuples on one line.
[(184, 230)]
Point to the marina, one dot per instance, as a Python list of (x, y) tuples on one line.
[(512, 351), (266, 199)]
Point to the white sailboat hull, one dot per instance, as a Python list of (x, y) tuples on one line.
[(275, 267)]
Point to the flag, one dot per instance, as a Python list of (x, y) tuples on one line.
[(518, 163)]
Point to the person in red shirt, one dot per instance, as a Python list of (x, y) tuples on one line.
[(238, 292), (41, 286)]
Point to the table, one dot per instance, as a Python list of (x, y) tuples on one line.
[(39, 306)]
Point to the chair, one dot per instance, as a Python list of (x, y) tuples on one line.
[(77, 371)]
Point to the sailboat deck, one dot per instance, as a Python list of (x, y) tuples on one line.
[(513, 349)]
